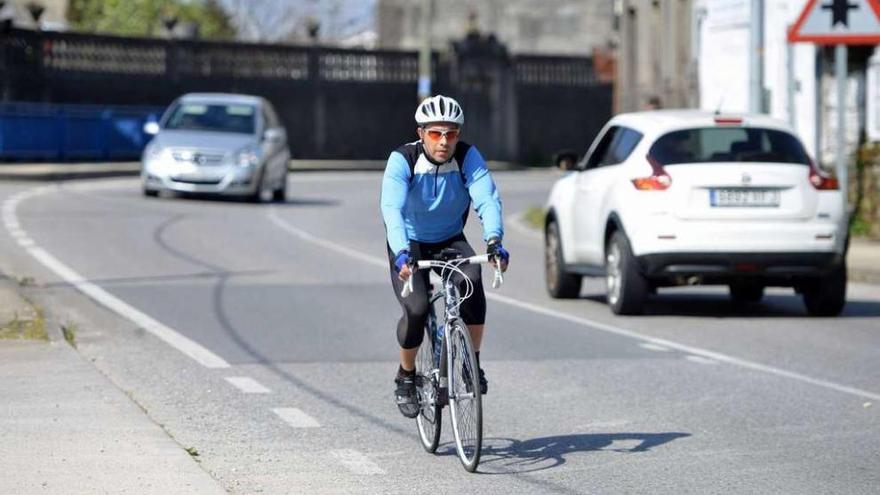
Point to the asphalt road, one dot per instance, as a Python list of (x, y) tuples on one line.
[(263, 337)]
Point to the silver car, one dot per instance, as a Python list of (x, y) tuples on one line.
[(216, 143)]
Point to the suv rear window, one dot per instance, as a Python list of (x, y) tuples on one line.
[(735, 144)]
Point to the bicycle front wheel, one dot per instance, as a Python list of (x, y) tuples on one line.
[(465, 400), (429, 418)]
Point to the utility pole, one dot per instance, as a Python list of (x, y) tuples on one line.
[(790, 83), (756, 58), (424, 90), (840, 57)]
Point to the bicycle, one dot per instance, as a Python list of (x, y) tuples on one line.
[(451, 349)]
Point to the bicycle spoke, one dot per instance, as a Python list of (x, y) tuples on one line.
[(428, 420), (467, 406)]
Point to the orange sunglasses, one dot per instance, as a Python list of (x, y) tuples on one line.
[(436, 134)]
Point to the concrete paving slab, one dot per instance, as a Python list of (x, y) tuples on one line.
[(67, 429)]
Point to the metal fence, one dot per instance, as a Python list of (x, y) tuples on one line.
[(335, 103), (34, 131)]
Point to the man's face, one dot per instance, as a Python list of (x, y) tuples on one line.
[(439, 140)]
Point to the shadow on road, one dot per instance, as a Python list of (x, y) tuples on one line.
[(510, 456)]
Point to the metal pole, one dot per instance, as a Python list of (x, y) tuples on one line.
[(790, 84), (424, 90), (756, 58), (840, 74)]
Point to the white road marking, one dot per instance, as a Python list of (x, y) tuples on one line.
[(653, 347), (356, 462), (183, 344), (273, 216), (597, 325), (247, 385), (701, 360), (296, 418), (517, 222)]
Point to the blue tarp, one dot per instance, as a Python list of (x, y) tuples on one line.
[(33, 131)]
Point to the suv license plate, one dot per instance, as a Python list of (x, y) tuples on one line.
[(748, 197)]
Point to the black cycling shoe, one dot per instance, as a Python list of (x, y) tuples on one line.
[(406, 396), (484, 384)]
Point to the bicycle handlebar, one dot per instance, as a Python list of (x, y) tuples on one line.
[(480, 258)]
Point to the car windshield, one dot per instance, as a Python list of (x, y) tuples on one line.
[(215, 117), (733, 144)]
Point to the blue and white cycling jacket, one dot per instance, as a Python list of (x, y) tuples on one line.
[(426, 202)]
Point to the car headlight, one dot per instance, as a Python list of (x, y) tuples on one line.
[(152, 151), (248, 157)]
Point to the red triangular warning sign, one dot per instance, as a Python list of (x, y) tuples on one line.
[(833, 22)]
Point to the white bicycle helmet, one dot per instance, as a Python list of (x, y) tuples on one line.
[(439, 109)]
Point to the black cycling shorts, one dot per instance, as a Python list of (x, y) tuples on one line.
[(411, 327)]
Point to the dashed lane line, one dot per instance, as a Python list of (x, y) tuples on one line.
[(296, 418), (654, 347), (700, 360), (356, 462), (247, 385)]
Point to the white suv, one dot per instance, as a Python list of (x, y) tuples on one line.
[(675, 197)]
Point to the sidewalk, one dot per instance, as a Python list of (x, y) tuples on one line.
[(67, 429)]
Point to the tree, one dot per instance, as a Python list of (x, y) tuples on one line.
[(144, 17)]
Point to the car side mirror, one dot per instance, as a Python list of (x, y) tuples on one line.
[(273, 135), (151, 128), (565, 160)]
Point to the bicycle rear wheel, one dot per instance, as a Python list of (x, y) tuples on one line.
[(465, 399), (429, 418)]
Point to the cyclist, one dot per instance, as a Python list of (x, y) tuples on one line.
[(426, 194)]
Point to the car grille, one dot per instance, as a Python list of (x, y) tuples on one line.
[(194, 180), (198, 157)]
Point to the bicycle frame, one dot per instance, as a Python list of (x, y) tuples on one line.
[(451, 296)]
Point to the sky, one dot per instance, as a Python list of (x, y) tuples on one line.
[(277, 20)]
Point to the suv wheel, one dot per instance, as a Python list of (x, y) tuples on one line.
[(560, 284), (746, 292), (626, 286), (827, 295)]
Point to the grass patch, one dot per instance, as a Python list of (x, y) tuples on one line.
[(534, 217), (25, 328), (27, 281), (69, 332), (192, 451)]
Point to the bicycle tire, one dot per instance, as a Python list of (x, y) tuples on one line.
[(430, 416), (465, 400)]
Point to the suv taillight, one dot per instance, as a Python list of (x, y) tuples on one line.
[(822, 182), (659, 180)]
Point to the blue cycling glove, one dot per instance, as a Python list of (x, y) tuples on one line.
[(494, 248), (403, 258)]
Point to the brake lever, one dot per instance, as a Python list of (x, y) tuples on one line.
[(498, 279), (407, 286)]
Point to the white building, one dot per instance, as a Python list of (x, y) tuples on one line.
[(554, 27), (722, 35)]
